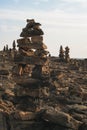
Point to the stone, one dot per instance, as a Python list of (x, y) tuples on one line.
[(30, 60), (27, 92), (22, 115), (37, 39), (30, 33), (67, 58), (28, 81), (3, 125), (32, 45), (41, 53), (29, 52), (83, 126), (61, 118), (4, 72), (61, 54), (23, 41)]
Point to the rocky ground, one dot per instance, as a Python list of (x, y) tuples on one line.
[(63, 106)]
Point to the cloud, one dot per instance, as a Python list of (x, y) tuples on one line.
[(11, 14), (79, 6), (54, 17), (37, 2), (42, 0), (81, 3), (76, 1), (16, 1), (3, 28), (8, 28)]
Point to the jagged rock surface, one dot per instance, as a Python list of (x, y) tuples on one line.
[(64, 103)]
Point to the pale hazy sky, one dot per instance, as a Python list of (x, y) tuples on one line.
[(64, 22)]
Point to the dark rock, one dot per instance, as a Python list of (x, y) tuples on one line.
[(83, 126)]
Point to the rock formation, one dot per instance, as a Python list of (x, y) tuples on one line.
[(67, 58), (14, 45), (33, 65), (61, 54), (64, 54)]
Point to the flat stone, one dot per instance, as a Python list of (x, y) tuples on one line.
[(30, 33), (29, 81)]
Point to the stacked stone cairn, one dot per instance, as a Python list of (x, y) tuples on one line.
[(61, 54), (31, 89), (67, 58)]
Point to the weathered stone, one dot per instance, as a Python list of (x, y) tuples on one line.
[(28, 82), (61, 54), (30, 33), (37, 39), (32, 45), (23, 41), (26, 125), (81, 109), (75, 90), (4, 72), (27, 92), (29, 52), (30, 60), (67, 58), (83, 126), (3, 123), (6, 107), (78, 116), (22, 115), (61, 118), (32, 92)]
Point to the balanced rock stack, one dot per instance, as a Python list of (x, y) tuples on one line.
[(32, 50), (31, 89)]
